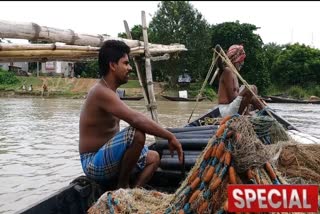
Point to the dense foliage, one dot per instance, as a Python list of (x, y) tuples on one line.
[(180, 22), (229, 33), (7, 78), (88, 69), (297, 65)]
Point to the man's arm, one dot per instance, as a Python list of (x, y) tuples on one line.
[(110, 102)]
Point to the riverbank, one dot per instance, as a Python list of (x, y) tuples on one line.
[(77, 88), (63, 87)]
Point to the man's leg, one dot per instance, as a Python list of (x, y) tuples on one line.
[(254, 101), (244, 103), (152, 163), (249, 98), (130, 159)]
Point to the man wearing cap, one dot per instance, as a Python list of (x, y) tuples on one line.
[(232, 100)]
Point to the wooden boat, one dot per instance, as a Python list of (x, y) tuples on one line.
[(182, 99), (131, 98), (276, 99), (83, 192)]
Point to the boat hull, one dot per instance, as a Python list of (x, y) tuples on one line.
[(131, 98), (275, 99), (181, 99), (79, 195)]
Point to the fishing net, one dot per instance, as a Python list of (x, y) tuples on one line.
[(131, 201), (244, 150), (300, 163), (248, 150)]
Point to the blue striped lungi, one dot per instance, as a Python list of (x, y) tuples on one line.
[(104, 164)]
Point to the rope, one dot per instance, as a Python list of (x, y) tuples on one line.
[(214, 60)]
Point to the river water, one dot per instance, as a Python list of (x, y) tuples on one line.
[(39, 141)]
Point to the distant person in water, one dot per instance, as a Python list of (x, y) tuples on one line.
[(106, 152), (30, 88), (45, 89), (231, 100)]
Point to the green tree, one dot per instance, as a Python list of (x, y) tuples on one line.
[(298, 65), (136, 33), (7, 78), (180, 22), (253, 71), (272, 52), (89, 69)]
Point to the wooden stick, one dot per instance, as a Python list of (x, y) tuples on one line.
[(146, 99), (214, 60), (17, 47), (153, 105), (16, 51), (214, 76), (45, 59)]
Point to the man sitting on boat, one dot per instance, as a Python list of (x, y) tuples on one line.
[(106, 152), (232, 100)]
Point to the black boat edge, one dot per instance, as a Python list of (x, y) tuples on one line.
[(277, 99), (181, 99), (132, 98), (81, 193)]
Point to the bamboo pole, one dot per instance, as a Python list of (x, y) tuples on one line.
[(214, 76), (17, 47), (34, 32), (44, 59), (52, 51), (146, 99), (152, 105), (37, 69), (154, 50), (45, 55), (214, 60), (36, 53)]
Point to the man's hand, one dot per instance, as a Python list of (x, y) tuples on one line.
[(244, 91), (174, 144), (218, 48)]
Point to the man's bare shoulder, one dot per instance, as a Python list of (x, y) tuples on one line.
[(227, 73), (99, 91), (227, 70)]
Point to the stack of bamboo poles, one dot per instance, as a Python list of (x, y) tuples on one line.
[(53, 52), (78, 46)]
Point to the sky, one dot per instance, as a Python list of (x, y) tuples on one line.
[(281, 22)]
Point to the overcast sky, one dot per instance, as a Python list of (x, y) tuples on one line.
[(280, 22)]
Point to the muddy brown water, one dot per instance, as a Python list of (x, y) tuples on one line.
[(39, 141)]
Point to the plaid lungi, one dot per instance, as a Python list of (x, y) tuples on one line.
[(104, 164)]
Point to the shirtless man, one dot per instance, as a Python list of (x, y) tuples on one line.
[(106, 152), (231, 101)]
